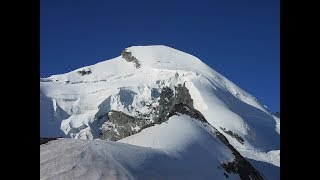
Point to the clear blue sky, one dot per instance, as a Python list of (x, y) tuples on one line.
[(239, 39)]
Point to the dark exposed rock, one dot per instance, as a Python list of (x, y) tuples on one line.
[(123, 119), (148, 125), (226, 175), (234, 135), (183, 95), (121, 126), (185, 109), (130, 58), (45, 140), (239, 165), (84, 72), (166, 102), (79, 82), (169, 100), (45, 80)]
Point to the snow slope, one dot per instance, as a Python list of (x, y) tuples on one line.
[(74, 102), (193, 154)]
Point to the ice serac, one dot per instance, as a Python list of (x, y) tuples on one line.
[(142, 86)]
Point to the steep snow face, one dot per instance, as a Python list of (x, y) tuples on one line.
[(50, 117), (179, 134), (163, 57), (78, 101)]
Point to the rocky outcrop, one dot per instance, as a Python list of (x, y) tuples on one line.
[(130, 58), (45, 140), (239, 165), (84, 72), (183, 96), (170, 98), (181, 108), (166, 102), (234, 135), (121, 125)]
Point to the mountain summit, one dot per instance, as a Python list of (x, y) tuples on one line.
[(171, 117)]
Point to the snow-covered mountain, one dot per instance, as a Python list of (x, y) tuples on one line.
[(171, 115)]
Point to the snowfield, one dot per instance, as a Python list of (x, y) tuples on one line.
[(191, 154), (75, 104)]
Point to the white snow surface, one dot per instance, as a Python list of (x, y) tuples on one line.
[(194, 154), (70, 104)]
